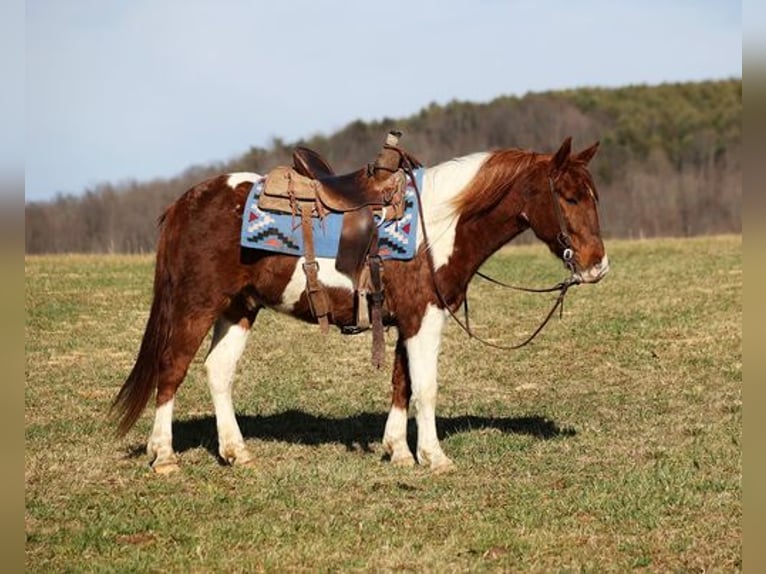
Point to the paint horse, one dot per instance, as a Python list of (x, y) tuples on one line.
[(471, 206)]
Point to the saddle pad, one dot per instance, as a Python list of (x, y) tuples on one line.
[(281, 232)]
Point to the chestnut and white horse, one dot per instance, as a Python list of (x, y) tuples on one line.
[(471, 206)]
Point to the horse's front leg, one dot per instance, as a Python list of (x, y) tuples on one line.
[(395, 435), (423, 358), (229, 339)]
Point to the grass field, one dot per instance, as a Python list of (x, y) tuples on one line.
[(612, 443)]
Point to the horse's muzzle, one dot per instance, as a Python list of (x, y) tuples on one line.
[(595, 273)]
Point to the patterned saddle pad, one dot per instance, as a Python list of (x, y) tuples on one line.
[(281, 232)]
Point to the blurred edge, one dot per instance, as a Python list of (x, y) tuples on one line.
[(754, 240), (12, 137)]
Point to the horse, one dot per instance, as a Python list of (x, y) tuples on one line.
[(470, 206)]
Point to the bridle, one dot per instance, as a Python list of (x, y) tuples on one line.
[(563, 239)]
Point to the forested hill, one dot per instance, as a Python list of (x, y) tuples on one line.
[(670, 162)]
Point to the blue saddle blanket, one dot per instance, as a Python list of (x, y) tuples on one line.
[(281, 232)]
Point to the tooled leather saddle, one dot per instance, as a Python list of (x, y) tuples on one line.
[(310, 189)]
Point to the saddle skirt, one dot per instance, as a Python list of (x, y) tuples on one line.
[(281, 232)]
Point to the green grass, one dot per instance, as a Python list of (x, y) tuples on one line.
[(611, 443)]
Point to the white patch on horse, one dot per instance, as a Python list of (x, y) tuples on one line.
[(228, 344), (441, 184), (236, 178), (395, 437), (328, 276), (595, 273), (160, 445), (423, 358)]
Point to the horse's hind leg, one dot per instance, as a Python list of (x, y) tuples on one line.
[(187, 337), (160, 444), (229, 338)]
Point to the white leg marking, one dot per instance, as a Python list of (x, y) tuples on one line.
[(160, 445), (241, 177), (395, 437), (423, 356), (441, 184), (328, 276), (221, 363)]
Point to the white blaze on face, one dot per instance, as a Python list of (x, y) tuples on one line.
[(328, 276), (237, 178), (441, 184)]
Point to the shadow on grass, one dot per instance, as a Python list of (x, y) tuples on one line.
[(356, 432)]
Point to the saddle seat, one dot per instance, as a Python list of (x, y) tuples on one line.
[(310, 163), (312, 183), (349, 192)]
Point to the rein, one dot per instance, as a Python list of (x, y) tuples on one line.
[(562, 287)]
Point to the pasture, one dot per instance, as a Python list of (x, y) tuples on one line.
[(612, 442)]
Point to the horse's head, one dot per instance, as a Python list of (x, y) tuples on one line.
[(562, 210)]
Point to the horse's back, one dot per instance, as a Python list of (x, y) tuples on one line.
[(222, 190), (210, 211)]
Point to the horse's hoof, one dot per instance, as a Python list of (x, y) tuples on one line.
[(166, 467), (444, 466), (403, 460), (246, 462), (236, 455)]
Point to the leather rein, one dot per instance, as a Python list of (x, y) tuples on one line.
[(562, 287)]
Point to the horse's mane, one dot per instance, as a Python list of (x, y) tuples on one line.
[(501, 171)]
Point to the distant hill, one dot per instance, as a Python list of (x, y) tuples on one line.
[(670, 162)]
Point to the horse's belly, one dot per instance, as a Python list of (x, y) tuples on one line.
[(339, 288)]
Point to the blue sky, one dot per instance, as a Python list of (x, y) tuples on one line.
[(119, 90)]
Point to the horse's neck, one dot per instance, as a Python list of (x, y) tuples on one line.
[(460, 245), (441, 185), (479, 238)]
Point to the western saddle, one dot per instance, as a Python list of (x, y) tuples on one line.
[(310, 189)]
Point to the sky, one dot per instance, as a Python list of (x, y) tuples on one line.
[(132, 90)]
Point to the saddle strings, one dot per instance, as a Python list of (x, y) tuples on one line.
[(562, 287)]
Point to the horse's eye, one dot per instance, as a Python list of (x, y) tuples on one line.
[(571, 200)]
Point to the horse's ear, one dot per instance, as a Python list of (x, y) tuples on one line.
[(587, 154), (562, 155)]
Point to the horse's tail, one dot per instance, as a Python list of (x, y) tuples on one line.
[(143, 378)]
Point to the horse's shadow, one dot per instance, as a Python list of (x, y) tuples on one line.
[(357, 432)]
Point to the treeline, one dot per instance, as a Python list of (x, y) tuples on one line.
[(670, 162)]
